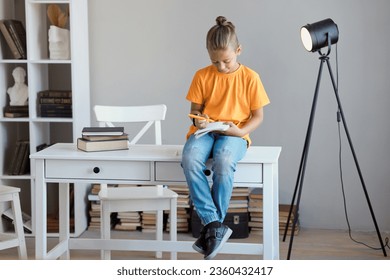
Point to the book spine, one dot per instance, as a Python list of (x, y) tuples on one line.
[(10, 41), (55, 93), (56, 115), (17, 34), (19, 159), (55, 110), (25, 166), (12, 164), (21, 33), (55, 100), (63, 107), (18, 109), (15, 114)]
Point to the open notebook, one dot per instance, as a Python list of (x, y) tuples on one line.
[(214, 126)]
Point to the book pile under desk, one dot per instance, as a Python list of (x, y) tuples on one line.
[(256, 214)]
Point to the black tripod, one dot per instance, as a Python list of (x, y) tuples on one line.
[(301, 173)]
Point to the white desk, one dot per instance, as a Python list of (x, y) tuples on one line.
[(144, 164)]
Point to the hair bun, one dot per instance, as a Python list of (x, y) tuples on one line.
[(222, 21)]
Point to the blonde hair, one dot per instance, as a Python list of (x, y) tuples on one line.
[(222, 35)]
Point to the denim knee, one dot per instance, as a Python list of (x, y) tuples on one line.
[(223, 163), (191, 160)]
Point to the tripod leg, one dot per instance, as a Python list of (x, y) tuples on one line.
[(355, 159), (302, 167)]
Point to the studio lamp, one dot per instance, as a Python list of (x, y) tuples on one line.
[(314, 37), (319, 34)]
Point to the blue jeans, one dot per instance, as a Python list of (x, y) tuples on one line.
[(212, 203)]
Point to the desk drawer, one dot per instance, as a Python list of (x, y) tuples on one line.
[(245, 173), (79, 169)]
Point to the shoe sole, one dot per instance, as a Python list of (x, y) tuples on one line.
[(223, 241), (198, 249)]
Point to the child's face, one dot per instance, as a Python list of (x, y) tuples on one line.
[(225, 60)]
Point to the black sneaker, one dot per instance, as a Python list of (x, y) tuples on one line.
[(216, 237), (200, 243)]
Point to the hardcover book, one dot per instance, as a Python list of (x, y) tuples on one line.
[(105, 137), (18, 34), (15, 111), (9, 40), (95, 146), (55, 94), (15, 36), (99, 131)]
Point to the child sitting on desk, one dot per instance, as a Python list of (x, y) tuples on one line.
[(224, 91)]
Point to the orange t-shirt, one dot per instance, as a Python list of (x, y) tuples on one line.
[(227, 97)]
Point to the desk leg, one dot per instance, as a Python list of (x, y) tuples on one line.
[(270, 212), (40, 211), (173, 224), (64, 209), (159, 230)]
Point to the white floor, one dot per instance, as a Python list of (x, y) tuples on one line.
[(309, 244)]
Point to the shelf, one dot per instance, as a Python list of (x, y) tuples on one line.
[(13, 61), (43, 73), (2, 119), (16, 177), (43, 120), (50, 61), (58, 120), (49, 1), (35, 61)]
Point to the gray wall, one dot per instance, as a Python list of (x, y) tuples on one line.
[(144, 52)]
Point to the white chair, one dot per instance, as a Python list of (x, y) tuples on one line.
[(11, 194), (144, 198)]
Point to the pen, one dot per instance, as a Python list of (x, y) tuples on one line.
[(199, 117)]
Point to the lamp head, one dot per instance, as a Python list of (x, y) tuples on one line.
[(319, 34)]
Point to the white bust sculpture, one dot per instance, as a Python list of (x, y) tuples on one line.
[(19, 92)]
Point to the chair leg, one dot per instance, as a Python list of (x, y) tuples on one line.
[(19, 231)]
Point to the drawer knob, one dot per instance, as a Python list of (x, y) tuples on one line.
[(96, 170)]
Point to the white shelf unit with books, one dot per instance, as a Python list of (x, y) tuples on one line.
[(43, 73)]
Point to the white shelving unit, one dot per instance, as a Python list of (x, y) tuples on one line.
[(43, 74)]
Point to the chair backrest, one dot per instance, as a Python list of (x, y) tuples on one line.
[(152, 114)]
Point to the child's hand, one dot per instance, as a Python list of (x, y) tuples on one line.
[(202, 123), (233, 130)]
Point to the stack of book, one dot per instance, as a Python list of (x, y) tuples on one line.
[(255, 209), (284, 209), (54, 104), (239, 201), (256, 214), (103, 139), (16, 111), (130, 220), (20, 162), (15, 36), (94, 207), (149, 219), (183, 209)]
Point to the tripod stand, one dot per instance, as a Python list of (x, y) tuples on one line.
[(301, 173)]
